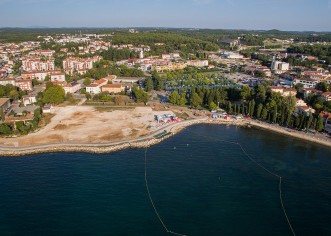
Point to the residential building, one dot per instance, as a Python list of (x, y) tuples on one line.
[(307, 83), (229, 42), (45, 53), (254, 68), (7, 81), (279, 67), (95, 87), (113, 88), (4, 104), (58, 77), (232, 55), (35, 63), (327, 96), (170, 66), (72, 87), (79, 65), (300, 103), (47, 109), (285, 92), (308, 91), (197, 63), (29, 99), (304, 110), (24, 85)]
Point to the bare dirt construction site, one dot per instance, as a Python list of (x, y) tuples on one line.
[(82, 124)]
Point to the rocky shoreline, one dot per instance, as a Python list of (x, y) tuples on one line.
[(100, 148)]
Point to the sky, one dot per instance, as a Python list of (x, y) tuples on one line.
[(295, 15)]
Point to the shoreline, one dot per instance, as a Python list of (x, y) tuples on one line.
[(150, 140)]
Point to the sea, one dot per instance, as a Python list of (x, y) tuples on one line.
[(206, 180)]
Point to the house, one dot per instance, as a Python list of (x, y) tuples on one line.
[(72, 87), (47, 109), (276, 89), (5, 104), (285, 92), (307, 83), (113, 88), (304, 110), (2, 73), (300, 103), (93, 89), (327, 121), (327, 96), (29, 99), (289, 92), (308, 91)]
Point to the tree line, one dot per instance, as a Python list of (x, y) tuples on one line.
[(259, 103)]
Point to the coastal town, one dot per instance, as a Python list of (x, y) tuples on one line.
[(87, 87), (149, 117)]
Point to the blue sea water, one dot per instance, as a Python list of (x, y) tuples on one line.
[(199, 184)]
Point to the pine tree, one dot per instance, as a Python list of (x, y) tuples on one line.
[(259, 111), (310, 120), (319, 125), (264, 113)]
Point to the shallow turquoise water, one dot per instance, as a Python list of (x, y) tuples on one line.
[(200, 186)]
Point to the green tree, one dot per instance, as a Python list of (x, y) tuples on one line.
[(260, 93), (87, 81), (229, 107), (323, 86), (297, 121), (245, 93), (288, 119), (47, 78), (174, 98), (319, 125), (54, 95), (88, 96), (149, 84), (140, 95), (212, 106), (183, 100), (252, 108), (196, 100), (259, 111), (310, 120), (5, 129), (264, 114), (13, 95)]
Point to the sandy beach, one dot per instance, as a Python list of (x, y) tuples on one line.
[(86, 129)]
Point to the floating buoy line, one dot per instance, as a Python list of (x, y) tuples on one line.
[(249, 157), (152, 202)]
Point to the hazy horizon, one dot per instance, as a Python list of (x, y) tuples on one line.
[(294, 15)]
